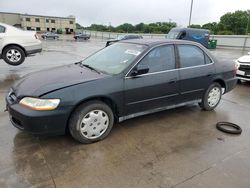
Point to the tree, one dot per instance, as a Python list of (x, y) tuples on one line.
[(195, 26), (78, 26), (140, 27), (126, 27), (158, 27), (212, 27), (235, 22)]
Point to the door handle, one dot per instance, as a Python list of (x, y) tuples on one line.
[(209, 74), (172, 81)]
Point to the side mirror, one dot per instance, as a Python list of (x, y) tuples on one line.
[(182, 34), (140, 69)]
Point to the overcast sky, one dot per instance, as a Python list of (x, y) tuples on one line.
[(131, 11)]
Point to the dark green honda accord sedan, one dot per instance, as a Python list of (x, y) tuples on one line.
[(127, 79)]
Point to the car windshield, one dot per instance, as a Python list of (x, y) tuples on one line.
[(172, 35), (115, 58)]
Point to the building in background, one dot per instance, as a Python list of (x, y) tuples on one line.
[(39, 23)]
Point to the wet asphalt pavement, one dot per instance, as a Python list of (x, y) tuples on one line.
[(174, 148)]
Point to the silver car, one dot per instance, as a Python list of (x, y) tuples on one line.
[(17, 44), (50, 35)]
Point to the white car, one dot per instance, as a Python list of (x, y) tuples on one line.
[(243, 72), (16, 44)]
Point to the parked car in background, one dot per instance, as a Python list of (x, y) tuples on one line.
[(83, 36), (197, 35), (123, 37), (50, 35), (144, 76), (17, 44), (243, 72)]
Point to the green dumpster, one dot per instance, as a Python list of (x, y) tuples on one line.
[(212, 44)]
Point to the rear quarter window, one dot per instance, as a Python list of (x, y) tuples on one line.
[(208, 60), (2, 29)]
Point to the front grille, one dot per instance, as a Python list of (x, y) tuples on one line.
[(245, 68)]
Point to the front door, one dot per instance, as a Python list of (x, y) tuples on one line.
[(157, 88)]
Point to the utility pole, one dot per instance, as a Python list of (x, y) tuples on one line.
[(190, 15)]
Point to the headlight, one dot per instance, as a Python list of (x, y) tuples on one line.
[(237, 64), (40, 104)]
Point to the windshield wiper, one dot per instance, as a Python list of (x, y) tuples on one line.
[(91, 68)]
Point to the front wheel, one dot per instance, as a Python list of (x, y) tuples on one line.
[(211, 97), (91, 122), (13, 55)]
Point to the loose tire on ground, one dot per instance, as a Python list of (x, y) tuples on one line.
[(91, 122), (233, 128), (214, 91), (13, 55)]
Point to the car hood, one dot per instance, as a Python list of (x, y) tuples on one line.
[(46, 81), (113, 40), (244, 59)]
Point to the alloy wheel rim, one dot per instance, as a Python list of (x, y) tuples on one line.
[(94, 124), (13, 55), (214, 96)]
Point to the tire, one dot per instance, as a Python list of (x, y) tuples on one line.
[(228, 127), (89, 119), (13, 55), (211, 97)]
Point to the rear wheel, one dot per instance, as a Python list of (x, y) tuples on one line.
[(13, 55), (91, 122), (211, 97)]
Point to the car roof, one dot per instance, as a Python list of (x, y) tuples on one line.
[(189, 29), (7, 25), (3, 24), (10, 27), (155, 42)]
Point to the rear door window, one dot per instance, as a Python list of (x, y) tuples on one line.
[(190, 56)]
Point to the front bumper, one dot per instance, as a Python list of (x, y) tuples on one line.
[(38, 122), (33, 48)]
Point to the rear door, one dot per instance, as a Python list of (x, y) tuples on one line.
[(196, 71), (157, 88)]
